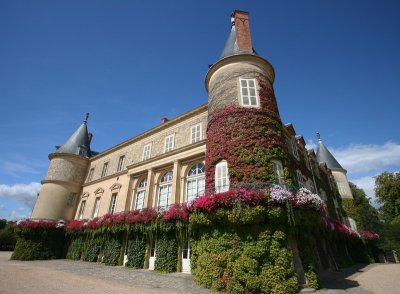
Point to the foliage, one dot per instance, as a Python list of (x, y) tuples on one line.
[(248, 154), (7, 237), (387, 190), (243, 259), (75, 248), (112, 249), (360, 209), (391, 233), (38, 243), (3, 223), (92, 250), (166, 252), (136, 252)]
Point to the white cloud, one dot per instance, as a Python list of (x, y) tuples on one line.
[(311, 145), (360, 158), (25, 193)]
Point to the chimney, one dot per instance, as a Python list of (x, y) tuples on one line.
[(164, 120), (90, 136), (242, 26)]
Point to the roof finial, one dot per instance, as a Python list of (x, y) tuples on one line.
[(86, 118), (319, 137), (233, 19)]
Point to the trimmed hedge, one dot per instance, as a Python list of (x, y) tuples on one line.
[(75, 248), (112, 250), (136, 252), (166, 252), (92, 250)]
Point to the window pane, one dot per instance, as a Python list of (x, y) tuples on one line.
[(243, 83), (245, 91), (245, 100), (252, 92), (251, 83)]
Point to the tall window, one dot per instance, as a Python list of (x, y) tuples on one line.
[(165, 191), (341, 188), (82, 209), (105, 170), (195, 181), (90, 174), (248, 92), (96, 207), (121, 163), (147, 151), (169, 143), (113, 203), (221, 177), (294, 147), (278, 170), (300, 178), (141, 192), (195, 133)]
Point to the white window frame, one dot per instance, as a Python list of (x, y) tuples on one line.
[(96, 207), (195, 133), (300, 178), (146, 151), (248, 89), (221, 178), (121, 163), (113, 203), (195, 181), (104, 172), (165, 189), (294, 147), (90, 174), (278, 169), (169, 143), (341, 188), (141, 192), (82, 209)]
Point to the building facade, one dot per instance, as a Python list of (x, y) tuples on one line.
[(180, 158)]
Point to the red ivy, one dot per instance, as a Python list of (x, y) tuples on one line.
[(30, 224), (177, 212), (247, 138), (369, 235)]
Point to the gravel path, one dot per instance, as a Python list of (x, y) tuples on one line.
[(64, 277)]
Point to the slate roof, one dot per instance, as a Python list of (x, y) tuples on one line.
[(324, 156), (79, 141)]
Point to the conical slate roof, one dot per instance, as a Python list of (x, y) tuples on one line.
[(79, 142), (231, 46), (324, 156)]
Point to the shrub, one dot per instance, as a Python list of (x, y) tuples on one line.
[(136, 252), (112, 250), (166, 252), (93, 250), (75, 248)]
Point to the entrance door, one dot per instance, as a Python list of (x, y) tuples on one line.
[(152, 258), (186, 257)]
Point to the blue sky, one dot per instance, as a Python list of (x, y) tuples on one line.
[(130, 63)]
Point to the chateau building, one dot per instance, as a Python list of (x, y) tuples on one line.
[(180, 158)]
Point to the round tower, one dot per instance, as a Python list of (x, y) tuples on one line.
[(244, 133), (58, 196)]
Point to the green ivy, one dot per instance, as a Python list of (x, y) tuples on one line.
[(92, 250), (75, 248), (166, 252), (39, 244), (112, 250), (136, 252)]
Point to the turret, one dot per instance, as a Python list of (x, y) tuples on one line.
[(58, 196), (244, 132), (338, 172)]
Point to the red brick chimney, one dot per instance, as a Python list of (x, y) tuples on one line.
[(164, 120), (242, 26)]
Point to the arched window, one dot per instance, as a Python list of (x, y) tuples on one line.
[(221, 177), (141, 192), (195, 181), (278, 170), (165, 191)]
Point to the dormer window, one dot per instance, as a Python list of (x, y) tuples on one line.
[(249, 97)]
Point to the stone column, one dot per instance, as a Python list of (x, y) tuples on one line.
[(175, 182), (149, 189)]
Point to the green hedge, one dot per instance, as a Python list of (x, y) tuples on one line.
[(112, 249), (92, 249), (39, 244), (166, 252), (136, 252), (75, 247)]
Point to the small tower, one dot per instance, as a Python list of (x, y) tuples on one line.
[(244, 131), (338, 172), (58, 196)]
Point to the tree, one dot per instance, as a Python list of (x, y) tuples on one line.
[(365, 215), (387, 191)]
